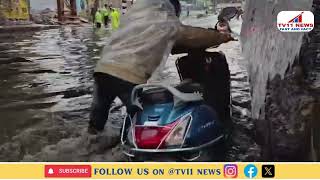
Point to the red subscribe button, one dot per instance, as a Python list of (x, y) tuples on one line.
[(67, 171)]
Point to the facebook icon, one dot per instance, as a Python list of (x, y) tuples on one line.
[(250, 171)]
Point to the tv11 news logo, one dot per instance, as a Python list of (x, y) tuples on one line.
[(295, 21)]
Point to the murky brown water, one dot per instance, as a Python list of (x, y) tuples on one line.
[(45, 101)]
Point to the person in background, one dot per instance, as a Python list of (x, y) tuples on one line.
[(149, 32), (110, 7), (105, 13), (188, 11), (93, 14), (115, 19), (98, 19), (119, 15)]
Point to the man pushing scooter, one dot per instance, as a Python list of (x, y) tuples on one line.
[(148, 33)]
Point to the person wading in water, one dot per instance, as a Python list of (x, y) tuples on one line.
[(148, 32)]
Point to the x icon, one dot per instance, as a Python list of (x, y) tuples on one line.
[(268, 171)]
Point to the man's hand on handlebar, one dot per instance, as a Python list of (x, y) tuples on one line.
[(195, 38)]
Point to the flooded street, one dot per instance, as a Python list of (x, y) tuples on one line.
[(45, 96)]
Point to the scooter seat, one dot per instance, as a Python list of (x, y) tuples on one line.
[(156, 96), (189, 87)]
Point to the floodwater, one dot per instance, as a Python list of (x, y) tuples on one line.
[(45, 99)]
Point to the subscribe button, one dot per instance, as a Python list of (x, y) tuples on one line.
[(67, 171)]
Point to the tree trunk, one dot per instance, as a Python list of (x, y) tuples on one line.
[(73, 7), (60, 7), (285, 83)]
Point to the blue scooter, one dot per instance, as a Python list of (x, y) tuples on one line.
[(182, 123)]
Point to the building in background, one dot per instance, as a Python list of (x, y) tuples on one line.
[(14, 10), (65, 10)]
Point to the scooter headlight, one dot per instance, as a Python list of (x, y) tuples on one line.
[(177, 135)]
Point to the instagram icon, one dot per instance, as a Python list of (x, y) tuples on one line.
[(230, 171)]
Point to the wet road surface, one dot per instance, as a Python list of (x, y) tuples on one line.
[(45, 97)]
